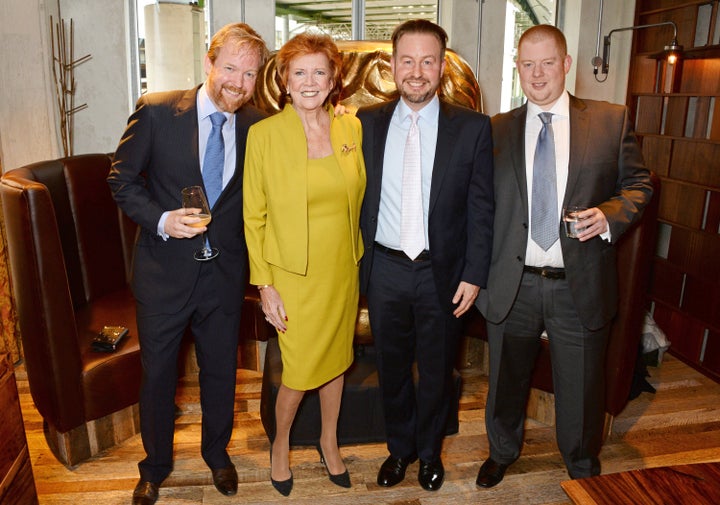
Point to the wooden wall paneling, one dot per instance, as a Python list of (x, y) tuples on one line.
[(685, 333), (655, 39), (642, 75), (695, 252), (666, 282), (715, 127), (696, 161), (644, 7), (649, 114), (656, 152), (675, 116), (701, 299), (700, 114), (712, 214), (701, 77), (686, 154), (711, 359), (682, 203), (713, 21)]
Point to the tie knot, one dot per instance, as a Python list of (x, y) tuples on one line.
[(217, 118), (546, 117), (414, 116)]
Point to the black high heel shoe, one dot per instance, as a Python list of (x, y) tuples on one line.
[(283, 486), (342, 479)]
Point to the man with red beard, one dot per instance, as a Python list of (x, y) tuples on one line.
[(162, 151), (427, 222)]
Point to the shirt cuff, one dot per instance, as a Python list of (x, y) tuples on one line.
[(161, 226)]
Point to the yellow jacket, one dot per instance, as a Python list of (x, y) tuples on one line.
[(275, 190)]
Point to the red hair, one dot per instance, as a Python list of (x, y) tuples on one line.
[(302, 45)]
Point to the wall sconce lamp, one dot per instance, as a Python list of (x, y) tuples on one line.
[(672, 50)]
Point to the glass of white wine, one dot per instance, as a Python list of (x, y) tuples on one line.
[(193, 197)]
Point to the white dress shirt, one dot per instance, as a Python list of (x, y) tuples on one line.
[(388, 229), (534, 254)]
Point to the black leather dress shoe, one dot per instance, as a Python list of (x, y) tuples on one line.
[(146, 493), (431, 475), (226, 480), (392, 471), (491, 473)]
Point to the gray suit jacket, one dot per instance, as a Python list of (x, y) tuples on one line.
[(606, 170)]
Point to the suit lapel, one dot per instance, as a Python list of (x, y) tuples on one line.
[(517, 152), (579, 138), (381, 125), (186, 111), (446, 139)]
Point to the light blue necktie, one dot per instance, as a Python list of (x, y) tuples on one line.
[(544, 213), (214, 161)]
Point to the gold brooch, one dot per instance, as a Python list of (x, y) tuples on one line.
[(347, 148)]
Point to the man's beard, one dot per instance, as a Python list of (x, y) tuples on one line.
[(416, 97), (227, 102)]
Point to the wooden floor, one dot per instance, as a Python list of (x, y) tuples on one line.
[(679, 424)]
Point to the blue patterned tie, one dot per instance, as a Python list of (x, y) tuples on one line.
[(544, 214), (214, 161)]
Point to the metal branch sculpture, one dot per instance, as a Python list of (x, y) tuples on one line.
[(64, 76)]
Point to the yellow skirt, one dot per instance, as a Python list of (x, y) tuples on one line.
[(321, 306)]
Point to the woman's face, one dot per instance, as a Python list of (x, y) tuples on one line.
[(309, 81)]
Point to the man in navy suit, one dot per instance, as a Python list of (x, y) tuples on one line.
[(567, 286), (159, 154), (416, 295)]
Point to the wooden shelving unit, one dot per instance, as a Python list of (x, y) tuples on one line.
[(676, 109)]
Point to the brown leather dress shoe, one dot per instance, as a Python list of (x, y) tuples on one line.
[(146, 493), (491, 473), (431, 475), (226, 480), (392, 471)]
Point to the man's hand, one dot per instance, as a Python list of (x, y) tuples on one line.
[(591, 222), (464, 297), (179, 223)]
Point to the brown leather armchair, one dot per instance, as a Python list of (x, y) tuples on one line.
[(69, 278), (70, 252)]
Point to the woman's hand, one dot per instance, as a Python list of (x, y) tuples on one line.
[(273, 307)]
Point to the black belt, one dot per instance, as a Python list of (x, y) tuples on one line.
[(547, 272), (423, 256)]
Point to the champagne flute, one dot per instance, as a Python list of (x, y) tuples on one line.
[(193, 197)]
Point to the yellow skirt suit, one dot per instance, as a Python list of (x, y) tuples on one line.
[(303, 237)]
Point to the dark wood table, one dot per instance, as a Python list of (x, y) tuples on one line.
[(695, 484)]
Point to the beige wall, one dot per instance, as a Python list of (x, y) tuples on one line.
[(27, 104)]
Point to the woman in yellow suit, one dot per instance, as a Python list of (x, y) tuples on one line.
[(304, 181)]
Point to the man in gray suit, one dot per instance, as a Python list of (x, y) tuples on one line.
[(161, 152), (540, 279)]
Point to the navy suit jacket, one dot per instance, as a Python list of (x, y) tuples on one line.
[(461, 195), (156, 158), (606, 170)]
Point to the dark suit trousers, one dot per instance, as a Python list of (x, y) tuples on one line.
[(408, 324), (216, 343), (577, 357)]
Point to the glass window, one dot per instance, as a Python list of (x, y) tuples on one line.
[(335, 18), (172, 39)]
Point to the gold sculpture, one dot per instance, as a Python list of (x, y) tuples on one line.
[(367, 78)]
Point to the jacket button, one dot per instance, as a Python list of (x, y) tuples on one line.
[(525, 226), (519, 258)]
